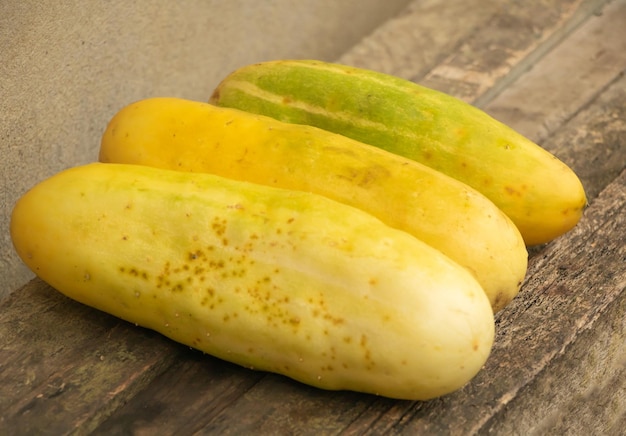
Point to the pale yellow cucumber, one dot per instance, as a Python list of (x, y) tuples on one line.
[(272, 279), (198, 137), (541, 194)]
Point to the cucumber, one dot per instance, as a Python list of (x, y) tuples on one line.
[(193, 136), (271, 279), (541, 194)]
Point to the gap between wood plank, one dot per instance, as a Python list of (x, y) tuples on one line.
[(587, 10), (568, 79)]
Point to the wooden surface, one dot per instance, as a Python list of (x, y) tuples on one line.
[(554, 70)]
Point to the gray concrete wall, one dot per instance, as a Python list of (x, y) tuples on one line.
[(67, 66)]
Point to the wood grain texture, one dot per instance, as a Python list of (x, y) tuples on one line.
[(559, 362), (515, 38), (420, 38), (64, 365), (593, 141), (567, 78)]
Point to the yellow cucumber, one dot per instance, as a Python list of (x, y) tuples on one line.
[(272, 279), (541, 194), (198, 137)]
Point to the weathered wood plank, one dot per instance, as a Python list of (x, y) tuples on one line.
[(192, 392), (63, 366), (412, 43), (582, 392), (567, 78), (593, 142), (512, 41)]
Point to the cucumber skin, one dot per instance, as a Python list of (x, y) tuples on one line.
[(541, 195), (270, 279), (192, 136)]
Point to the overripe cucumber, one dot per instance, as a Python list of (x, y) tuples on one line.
[(272, 279)]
